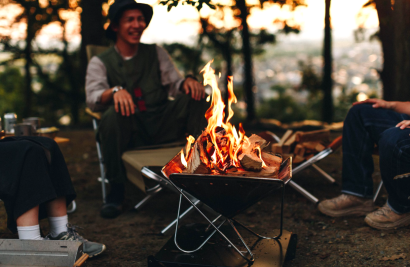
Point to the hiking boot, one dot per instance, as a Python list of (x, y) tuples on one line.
[(112, 207), (385, 219), (346, 205), (110, 210), (91, 248)]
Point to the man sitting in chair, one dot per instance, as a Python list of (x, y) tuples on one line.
[(386, 124), (131, 82)]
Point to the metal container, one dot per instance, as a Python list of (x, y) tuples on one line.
[(24, 129), (35, 121), (9, 120)]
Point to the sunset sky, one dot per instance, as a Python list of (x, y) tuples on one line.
[(167, 26), (181, 23)]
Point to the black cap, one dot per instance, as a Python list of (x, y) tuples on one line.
[(121, 5)]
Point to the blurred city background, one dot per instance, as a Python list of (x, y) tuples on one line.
[(289, 61)]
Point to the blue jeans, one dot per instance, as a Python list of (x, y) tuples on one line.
[(364, 127)]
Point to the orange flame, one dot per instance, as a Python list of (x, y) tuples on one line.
[(183, 161), (220, 130)]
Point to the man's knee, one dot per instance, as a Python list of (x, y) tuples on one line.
[(358, 110), (394, 138), (110, 122)]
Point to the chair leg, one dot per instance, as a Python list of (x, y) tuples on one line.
[(147, 198), (378, 191), (324, 174), (72, 207), (302, 191), (101, 161)]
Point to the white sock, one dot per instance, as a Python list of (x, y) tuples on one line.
[(29, 232), (58, 225)]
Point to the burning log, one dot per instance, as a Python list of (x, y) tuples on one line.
[(221, 149), (251, 153), (195, 163)]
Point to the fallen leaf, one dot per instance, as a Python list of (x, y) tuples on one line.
[(394, 257)]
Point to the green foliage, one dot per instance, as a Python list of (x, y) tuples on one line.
[(285, 109), (186, 58), (11, 91), (311, 81)]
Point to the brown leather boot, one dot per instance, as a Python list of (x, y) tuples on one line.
[(386, 219), (346, 205)]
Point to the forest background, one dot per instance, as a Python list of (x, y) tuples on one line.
[(276, 75)]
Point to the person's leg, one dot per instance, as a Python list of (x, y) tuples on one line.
[(394, 150), (115, 133), (28, 227), (60, 229), (361, 131), (57, 216)]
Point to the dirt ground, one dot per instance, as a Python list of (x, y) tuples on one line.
[(133, 236)]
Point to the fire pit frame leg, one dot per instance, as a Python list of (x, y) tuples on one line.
[(251, 260), (281, 221), (230, 221), (176, 228)]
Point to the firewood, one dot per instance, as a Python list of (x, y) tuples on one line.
[(308, 157), (202, 169), (286, 156), (194, 163), (271, 160), (276, 149), (299, 150), (319, 147), (291, 140), (263, 173), (320, 136), (311, 146), (250, 162), (251, 152), (285, 137), (258, 141), (298, 159)]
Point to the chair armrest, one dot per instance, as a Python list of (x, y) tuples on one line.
[(336, 143), (95, 115)]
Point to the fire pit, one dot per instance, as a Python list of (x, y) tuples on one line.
[(228, 172)]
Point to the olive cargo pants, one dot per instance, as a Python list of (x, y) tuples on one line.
[(167, 123)]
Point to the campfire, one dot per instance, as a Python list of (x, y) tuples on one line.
[(221, 149)]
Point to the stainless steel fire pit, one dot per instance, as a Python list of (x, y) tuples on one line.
[(228, 196)]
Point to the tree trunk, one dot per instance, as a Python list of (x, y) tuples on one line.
[(327, 68), (386, 35), (92, 30), (402, 50), (247, 56), (28, 93), (394, 35)]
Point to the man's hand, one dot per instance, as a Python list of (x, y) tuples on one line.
[(196, 89), (403, 124), (376, 103), (123, 100)]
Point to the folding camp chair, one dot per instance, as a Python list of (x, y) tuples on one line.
[(312, 162)]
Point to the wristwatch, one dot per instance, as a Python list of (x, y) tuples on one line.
[(116, 89)]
